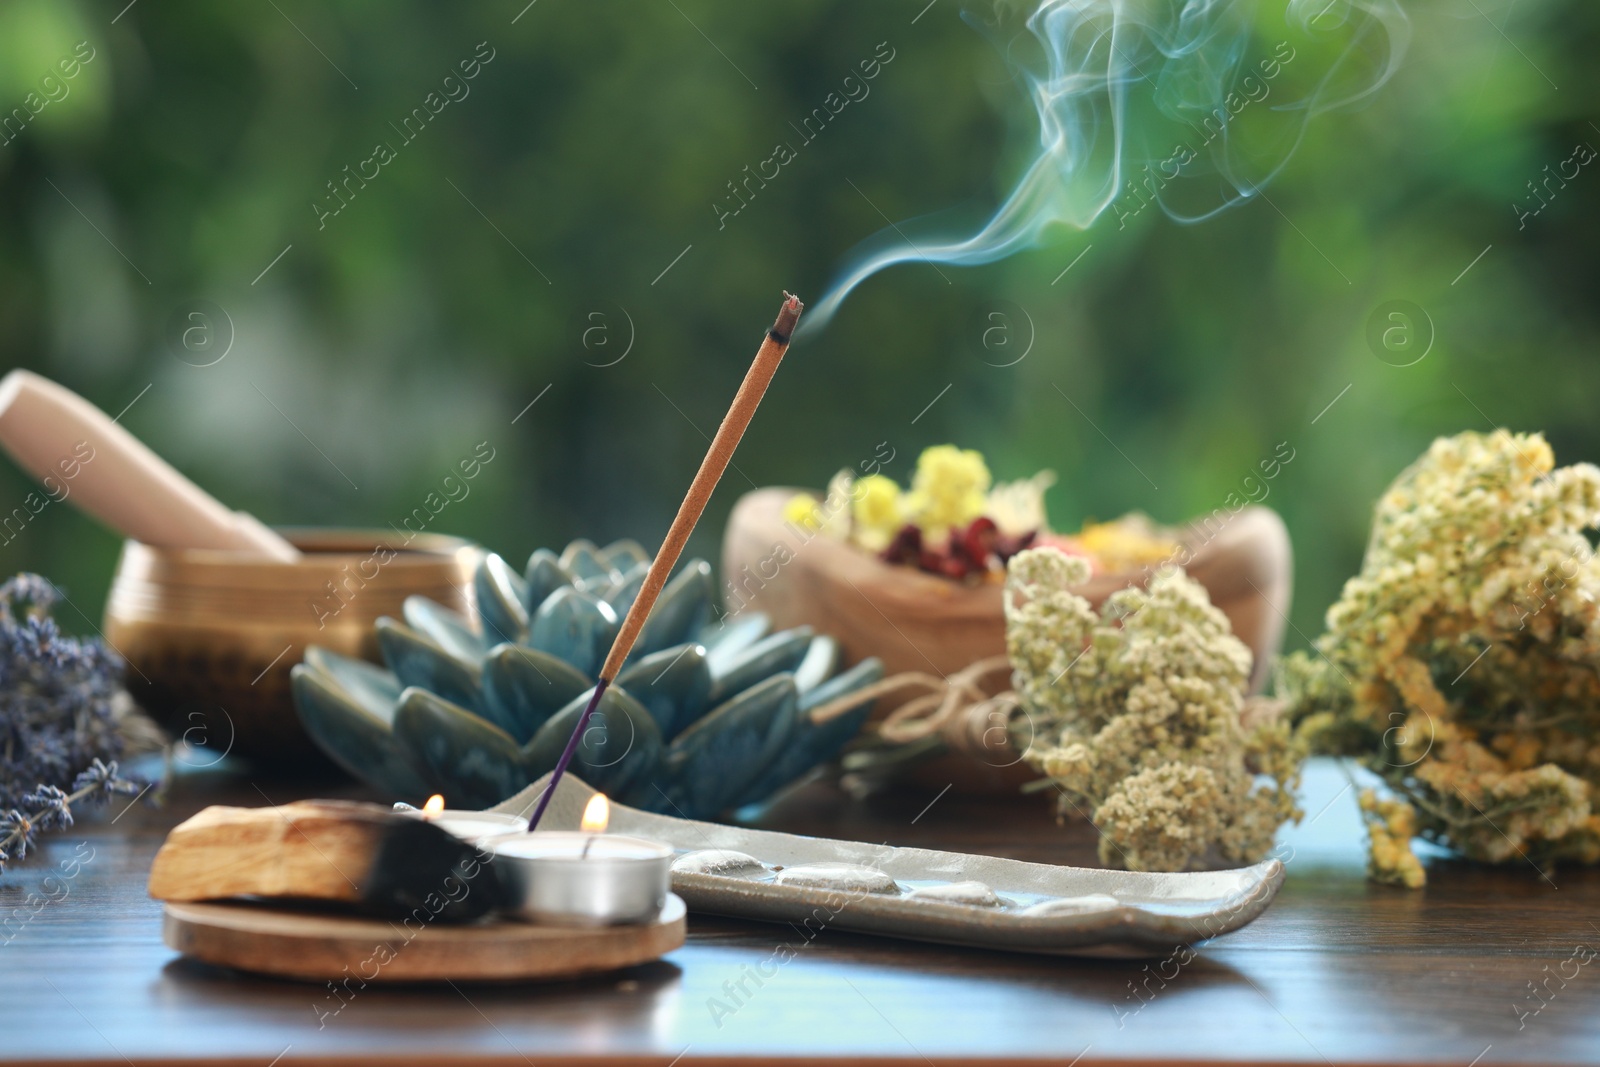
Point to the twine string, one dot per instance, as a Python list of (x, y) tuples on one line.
[(956, 708)]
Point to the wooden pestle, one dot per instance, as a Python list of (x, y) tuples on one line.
[(79, 453)]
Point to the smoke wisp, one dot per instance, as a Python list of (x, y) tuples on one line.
[(1137, 102)]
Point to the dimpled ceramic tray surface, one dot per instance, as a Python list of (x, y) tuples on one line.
[(924, 895)]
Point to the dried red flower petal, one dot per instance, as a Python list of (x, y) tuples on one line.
[(975, 550), (906, 548)]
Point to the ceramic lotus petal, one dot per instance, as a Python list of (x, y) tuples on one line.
[(705, 716)]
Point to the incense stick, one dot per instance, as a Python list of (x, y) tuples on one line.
[(716, 461)]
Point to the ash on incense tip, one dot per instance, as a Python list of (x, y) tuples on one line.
[(788, 315)]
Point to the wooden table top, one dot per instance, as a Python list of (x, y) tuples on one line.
[(1336, 971)]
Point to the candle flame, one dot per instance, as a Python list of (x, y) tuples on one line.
[(434, 805), (597, 814)]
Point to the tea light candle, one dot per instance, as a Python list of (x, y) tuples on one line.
[(469, 826), (583, 878)]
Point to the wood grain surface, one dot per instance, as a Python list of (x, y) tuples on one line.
[(1337, 971)]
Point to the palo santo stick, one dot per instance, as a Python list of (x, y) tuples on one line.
[(717, 458), (363, 855)]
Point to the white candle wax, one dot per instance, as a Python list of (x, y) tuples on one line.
[(577, 845)]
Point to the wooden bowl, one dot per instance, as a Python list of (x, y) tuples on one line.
[(915, 621), (210, 636)]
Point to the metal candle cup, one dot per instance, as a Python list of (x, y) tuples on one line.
[(571, 878)]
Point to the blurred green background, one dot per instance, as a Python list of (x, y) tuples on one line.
[(563, 209)]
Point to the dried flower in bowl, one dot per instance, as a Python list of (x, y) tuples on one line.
[(955, 523)]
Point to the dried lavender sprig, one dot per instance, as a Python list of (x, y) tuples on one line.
[(95, 784), (58, 695)]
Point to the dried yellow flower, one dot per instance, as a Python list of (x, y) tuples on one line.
[(1463, 663), (1391, 824), (875, 506), (1128, 544), (949, 489), (803, 511)]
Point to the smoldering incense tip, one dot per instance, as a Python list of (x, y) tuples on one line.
[(788, 315)]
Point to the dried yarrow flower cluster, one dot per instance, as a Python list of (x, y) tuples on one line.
[(1136, 715), (1463, 663), (58, 698)]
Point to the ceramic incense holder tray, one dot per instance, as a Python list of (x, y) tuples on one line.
[(925, 895)]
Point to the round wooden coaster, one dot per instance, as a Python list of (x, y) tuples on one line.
[(314, 947)]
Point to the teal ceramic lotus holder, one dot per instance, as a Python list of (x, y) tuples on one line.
[(705, 716)]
